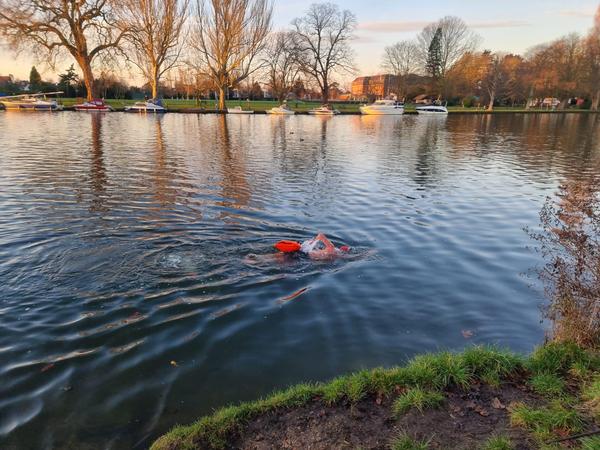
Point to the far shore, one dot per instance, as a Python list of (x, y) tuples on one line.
[(260, 107)]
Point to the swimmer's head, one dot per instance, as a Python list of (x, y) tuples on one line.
[(345, 248)]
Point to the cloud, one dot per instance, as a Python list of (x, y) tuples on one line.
[(500, 24), (407, 26), (392, 26), (576, 13), (364, 39)]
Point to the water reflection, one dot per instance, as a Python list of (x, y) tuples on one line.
[(98, 176)]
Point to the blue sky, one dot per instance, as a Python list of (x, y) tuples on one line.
[(507, 25)]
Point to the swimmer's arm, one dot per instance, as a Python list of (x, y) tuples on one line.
[(328, 245)]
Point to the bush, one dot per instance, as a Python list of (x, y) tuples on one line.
[(570, 244)]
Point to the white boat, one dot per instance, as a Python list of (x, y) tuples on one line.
[(383, 108), (148, 106), (31, 102), (324, 110), (97, 105), (238, 110), (281, 110), (437, 110)]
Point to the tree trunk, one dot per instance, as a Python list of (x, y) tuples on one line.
[(221, 98), (491, 104), (325, 94), (88, 76), (596, 101)]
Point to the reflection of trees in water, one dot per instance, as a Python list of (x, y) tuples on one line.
[(98, 174), (234, 182), (426, 169), (541, 143), (163, 174)]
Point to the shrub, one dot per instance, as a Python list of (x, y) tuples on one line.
[(569, 241)]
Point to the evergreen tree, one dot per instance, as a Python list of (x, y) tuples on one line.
[(67, 80), (35, 79), (434, 56)]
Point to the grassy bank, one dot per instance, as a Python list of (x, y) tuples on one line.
[(304, 107), (482, 398)]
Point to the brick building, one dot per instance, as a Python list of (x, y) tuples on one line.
[(378, 86)]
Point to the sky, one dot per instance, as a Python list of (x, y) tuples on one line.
[(504, 25)]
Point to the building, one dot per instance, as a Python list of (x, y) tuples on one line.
[(6, 79), (378, 86)]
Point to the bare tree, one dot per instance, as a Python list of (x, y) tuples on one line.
[(592, 55), (456, 39), (323, 39), (228, 37), (494, 78), (155, 35), (281, 61), (401, 59), (85, 29)]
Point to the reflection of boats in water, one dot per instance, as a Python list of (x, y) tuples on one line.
[(324, 110), (283, 110), (382, 108), (238, 110), (148, 106), (97, 105), (31, 102), (432, 110)]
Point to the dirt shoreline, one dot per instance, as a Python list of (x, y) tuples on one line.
[(482, 398)]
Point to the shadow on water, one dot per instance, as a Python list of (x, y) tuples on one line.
[(129, 299)]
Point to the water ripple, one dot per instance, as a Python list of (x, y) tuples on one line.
[(137, 286)]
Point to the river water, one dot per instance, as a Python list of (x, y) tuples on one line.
[(129, 297)]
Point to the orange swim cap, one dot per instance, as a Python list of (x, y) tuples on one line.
[(288, 246)]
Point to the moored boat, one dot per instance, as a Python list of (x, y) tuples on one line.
[(324, 110), (238, 110), (383, 107), (283, 110), (437, 110), (31, 102), (148, 106), (97, 105)]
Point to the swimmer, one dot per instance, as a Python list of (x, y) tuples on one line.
[(318, 248)]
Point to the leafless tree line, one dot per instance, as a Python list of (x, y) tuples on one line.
[(225, 41)]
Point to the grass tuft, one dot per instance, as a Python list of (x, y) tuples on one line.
[(405, 442), (591, 395), (544, 422), (590, 443), (547, 384), (438, 371), (497, 443), (417, 398), (557, 358), (491, 363)]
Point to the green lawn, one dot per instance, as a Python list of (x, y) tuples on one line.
[(300, 106)]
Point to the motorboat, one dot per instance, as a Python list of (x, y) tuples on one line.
[(97, 105), (281, 110), (324, 110), (31, 102), (238, 110), (148, 106), (432, 110), (383, 108)]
